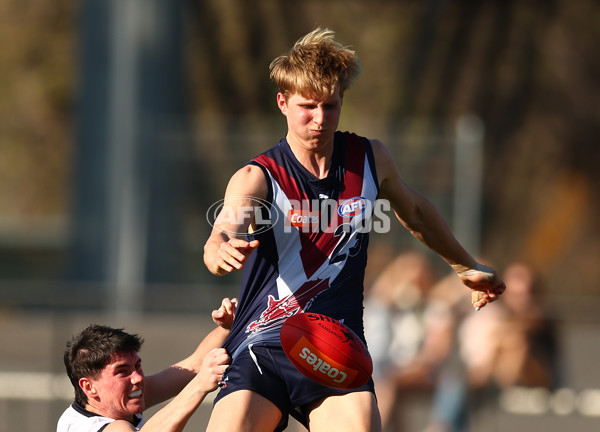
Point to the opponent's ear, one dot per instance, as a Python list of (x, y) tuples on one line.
[(87, 386)]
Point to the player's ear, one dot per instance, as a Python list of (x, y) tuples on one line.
[(282, 103), (87, 386)]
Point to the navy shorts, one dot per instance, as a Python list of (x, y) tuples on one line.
[(268, 372)]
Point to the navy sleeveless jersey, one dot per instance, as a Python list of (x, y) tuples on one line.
[(313, 242)]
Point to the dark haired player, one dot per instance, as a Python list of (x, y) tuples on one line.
[(111, 390)]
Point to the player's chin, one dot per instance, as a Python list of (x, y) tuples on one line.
[(136, 405)]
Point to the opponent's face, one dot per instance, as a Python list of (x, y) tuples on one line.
[(118, 392), (312, 122)]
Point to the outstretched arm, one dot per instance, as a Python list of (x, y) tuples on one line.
[(168, 382), (426, 224), (174, 416), (226, 250)]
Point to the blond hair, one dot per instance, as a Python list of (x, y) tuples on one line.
[(316, 65)]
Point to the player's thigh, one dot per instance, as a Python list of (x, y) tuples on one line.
[(244, 411), (351, 412)]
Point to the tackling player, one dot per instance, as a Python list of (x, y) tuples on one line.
[(111, 390)]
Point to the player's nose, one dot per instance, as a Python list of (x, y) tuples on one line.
[(319, 116), (137, 377)]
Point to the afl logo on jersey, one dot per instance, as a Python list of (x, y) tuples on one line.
[(352, 207), (241, 211)]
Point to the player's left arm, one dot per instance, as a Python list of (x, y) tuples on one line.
[(422, 219), (170, 381)]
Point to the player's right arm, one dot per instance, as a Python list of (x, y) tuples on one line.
[(226, 249), (171, 380)]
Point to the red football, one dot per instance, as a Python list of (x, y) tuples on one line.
[(326, 350)]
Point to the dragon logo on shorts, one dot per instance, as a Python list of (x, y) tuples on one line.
[(278, 311)]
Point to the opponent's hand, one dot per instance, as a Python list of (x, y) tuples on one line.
[(487, 286), (212, 369), (224, 316), (232, 254)]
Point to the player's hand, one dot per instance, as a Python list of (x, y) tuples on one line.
[(224, 316), (487, 286), (232, 254), (212, 369)]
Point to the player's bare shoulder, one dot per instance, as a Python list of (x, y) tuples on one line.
[(384, 162), (248, 181)]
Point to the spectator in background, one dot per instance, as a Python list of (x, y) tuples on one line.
[(511, 343), (448, 307), (424, 337), (395, 330), (520, 340)]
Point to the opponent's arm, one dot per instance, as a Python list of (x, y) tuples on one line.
[(225, 249), (168, 382), (426, 224), (174, 416)]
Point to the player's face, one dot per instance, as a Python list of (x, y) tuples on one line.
[(120, 388), (312, 122)]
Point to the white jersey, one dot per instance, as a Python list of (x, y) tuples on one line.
[(77, 419)]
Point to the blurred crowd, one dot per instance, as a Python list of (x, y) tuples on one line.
[(426, 341)]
